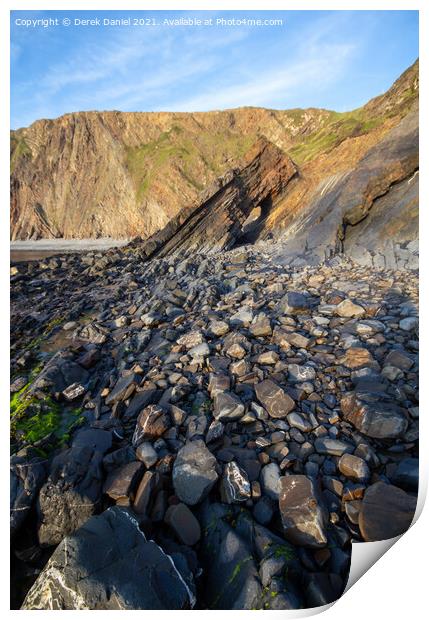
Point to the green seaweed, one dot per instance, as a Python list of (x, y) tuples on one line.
[(35, 418), (235, 572), (283, 551)]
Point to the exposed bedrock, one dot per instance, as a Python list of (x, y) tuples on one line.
[(108, 564), (217, 222), (370, 212)]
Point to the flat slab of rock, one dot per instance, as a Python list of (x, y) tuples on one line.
[(358, 357), (108, 564), (124, 387), (348, 309), (300, 374), (145, 492), (373, 416), (333, 447), (194, 472), (387, 511), (274, 399), (303, 513)]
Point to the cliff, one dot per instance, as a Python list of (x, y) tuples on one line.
[(121, 175)]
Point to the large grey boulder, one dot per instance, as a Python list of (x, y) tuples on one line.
[(244, 564), (194, 472), (109, 564)]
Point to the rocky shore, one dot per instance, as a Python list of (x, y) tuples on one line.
[(219, 427)]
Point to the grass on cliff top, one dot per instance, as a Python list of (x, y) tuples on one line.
[(192, 154), (338, 127)]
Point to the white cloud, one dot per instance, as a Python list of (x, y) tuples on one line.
[(322, 66), (189, 70)]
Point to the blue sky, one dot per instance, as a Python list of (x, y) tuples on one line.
[(329, 59)]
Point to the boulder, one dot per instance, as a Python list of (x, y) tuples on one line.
[(406, 475), (152, 423), (348, 309), (332, 447), (303, 513), (373, 415), (121, 482), (60, 372), (295, 303), (300, 374), (71, 495), (123, 389), (144, 496), (26, 477), (232, 578), (270, 480), (358, 357), (387, 511), (183, 523), (227, 407), (194, 472), (147, 454), (94, 438), (108, 564), (354, 467)]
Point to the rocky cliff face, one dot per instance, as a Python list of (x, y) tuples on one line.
[(218, 223), (370, 212), (122, 175)]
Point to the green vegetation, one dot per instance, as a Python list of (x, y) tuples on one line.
[(191, 154), (336, 128), (204, 407), (33, 418), (283, 551), (50, 326), (18, 149)]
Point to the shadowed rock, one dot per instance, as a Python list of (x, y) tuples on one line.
[(108, 564), (387, 511), (194, 472), (216, 223)]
